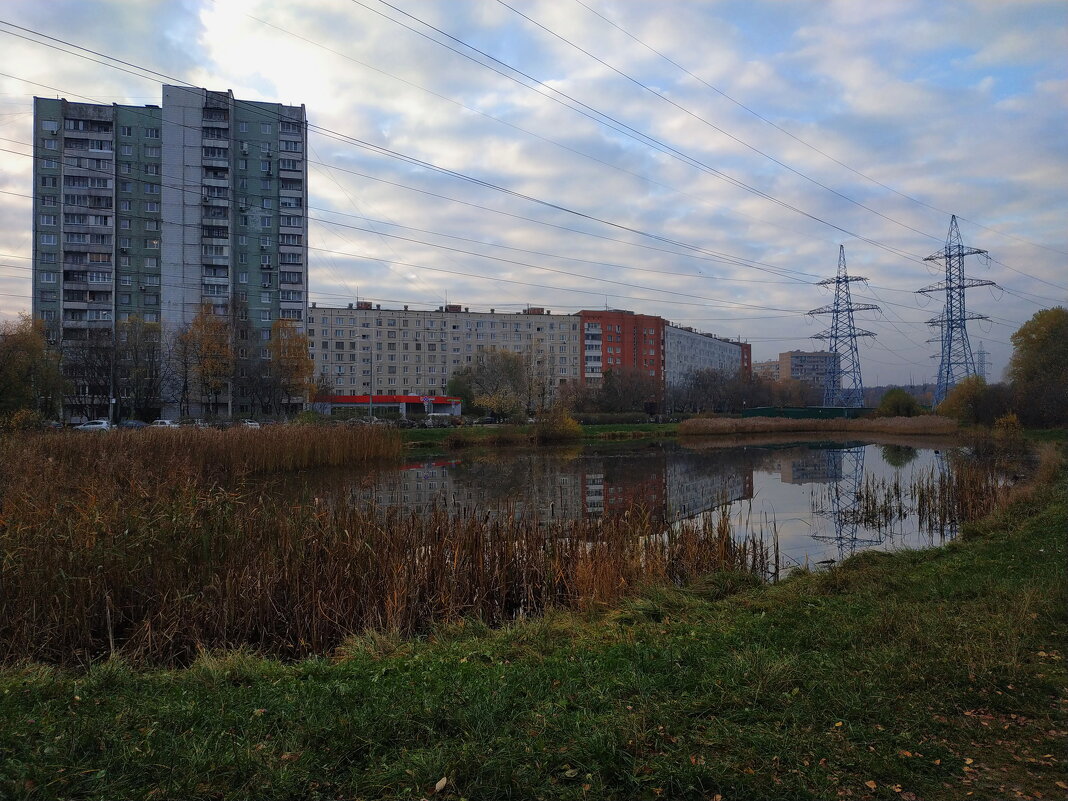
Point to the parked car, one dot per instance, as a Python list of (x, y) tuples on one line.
[(133, 425), (250, 424), (164, 424), (94, 425)]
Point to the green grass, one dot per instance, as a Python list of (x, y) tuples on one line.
[(475, 435), (922, 675)]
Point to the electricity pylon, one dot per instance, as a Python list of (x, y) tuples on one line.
[(956, 361), (981, 363), (843, 385)]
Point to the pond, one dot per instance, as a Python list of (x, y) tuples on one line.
[(822, 501)]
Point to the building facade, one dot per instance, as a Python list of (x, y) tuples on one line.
[(365, 349), (154, 213), (687, 351), (615, 339)]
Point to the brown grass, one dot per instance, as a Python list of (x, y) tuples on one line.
[(925, 425)]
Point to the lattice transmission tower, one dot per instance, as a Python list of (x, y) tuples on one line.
[(981, 364), (843, 385), (955, 361), (844, 511)]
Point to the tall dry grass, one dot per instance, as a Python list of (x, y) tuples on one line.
[(925, 425), (157, 547)]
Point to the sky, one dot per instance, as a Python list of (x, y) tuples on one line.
[(701, 161)]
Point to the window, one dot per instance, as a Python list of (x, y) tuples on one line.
[(266, 221), (265, 315), (125, 280), (242, 278), (291, 295), (124, 205), (47, 277), (125, 186), (151, 133), (212, 250), (47, 239), (291, 314), (151, 280), (289, 146), (290, 203), (265, 166), (265, 127), (151, 317), (152, 206), (49, 164), (125, 130), (49, 219), (46, 258), (51, 126), (265, 260), (48, 200), (99, 278), (215, 152), (151, 169), (290, 239), (124, 298), (242, 127), (152, 244), (49, 181), (126, 150), (152, 151), (288, 127), (289, 220), (50, 144), (289, 277), (151, 262), (288, 164), (151, 189)]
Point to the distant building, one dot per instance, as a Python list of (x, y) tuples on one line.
[(812, 367)]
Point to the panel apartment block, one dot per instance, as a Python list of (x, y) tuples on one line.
[(371, 350), (157, 212)]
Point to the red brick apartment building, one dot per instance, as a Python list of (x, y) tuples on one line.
[(617, 339)]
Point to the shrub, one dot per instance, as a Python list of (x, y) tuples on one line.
[(898, 403)]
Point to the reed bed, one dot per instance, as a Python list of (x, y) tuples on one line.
[(944, 499), (162, 576), (913, 426)]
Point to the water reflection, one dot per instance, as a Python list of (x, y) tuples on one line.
[(810, 493)]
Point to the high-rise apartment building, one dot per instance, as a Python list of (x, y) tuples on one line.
[(158, 213)]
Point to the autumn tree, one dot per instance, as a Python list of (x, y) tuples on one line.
[(207, 346), (898, 403), (1038, 369), (498, 382), (291, 368), (138, 353), (30, 376)]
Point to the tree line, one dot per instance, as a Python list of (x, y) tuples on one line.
[(199, 366)]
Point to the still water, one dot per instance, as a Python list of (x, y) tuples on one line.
[(807, 495)]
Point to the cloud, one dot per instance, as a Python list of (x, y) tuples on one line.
[(903, 111)]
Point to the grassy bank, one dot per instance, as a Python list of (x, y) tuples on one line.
[(923, 675), (476, 436)]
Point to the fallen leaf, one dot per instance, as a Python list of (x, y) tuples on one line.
[(839, 723), (870, 784), (441, 784), (968, 760)]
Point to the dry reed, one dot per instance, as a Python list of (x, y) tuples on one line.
[(139, 546), (924, 425)]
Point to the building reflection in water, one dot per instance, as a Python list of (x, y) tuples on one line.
[(667, 483)]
